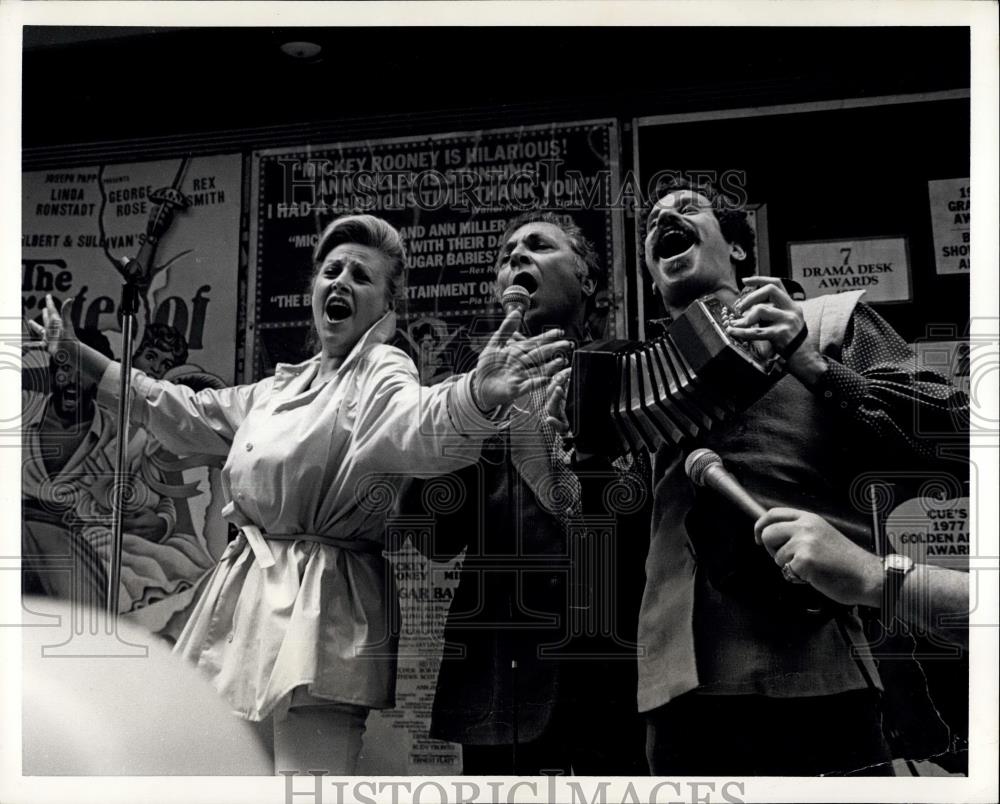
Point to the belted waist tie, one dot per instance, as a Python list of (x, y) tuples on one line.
[(258, 539), (355, 545)]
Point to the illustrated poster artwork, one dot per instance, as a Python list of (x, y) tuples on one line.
[(182, 217)]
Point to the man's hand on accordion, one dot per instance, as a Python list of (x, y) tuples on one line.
[(555, 410), (767, 313), (555, 402)]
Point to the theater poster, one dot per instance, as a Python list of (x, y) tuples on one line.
[(77, 226), (451, 195)]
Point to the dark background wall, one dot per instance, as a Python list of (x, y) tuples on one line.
[(212, 88)]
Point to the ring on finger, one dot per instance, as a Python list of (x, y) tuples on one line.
[(789, 574)]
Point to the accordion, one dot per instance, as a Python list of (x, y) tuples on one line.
[(627, 396)]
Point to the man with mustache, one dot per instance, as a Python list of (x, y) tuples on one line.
[(736, 682), (539, 666)]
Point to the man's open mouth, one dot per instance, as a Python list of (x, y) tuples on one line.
[(673, 241), (526, 281), (337, 309)]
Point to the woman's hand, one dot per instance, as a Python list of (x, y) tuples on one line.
[(56, 333), (768, 313), (58, 337), (511, 366)]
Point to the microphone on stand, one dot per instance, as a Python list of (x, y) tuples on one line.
[(133, 270), (138, 273), (705, 470)]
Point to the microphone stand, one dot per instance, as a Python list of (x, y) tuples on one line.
[(138, 274), (129, 308)]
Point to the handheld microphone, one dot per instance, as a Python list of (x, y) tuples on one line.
[(518, 295), (705, 470)]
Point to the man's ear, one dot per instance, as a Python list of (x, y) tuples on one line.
[(737, 252), (588, 286)]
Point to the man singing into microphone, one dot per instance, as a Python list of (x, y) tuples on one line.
[(539, 666), (734, 682)]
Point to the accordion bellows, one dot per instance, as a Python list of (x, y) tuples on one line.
[(628, 396)]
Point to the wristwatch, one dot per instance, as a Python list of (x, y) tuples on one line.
[(896, 568)]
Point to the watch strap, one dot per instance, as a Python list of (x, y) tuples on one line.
[(895, 569)]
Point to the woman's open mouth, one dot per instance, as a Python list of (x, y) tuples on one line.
[(337, 309)]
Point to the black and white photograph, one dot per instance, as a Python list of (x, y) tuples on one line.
[(500, 402)]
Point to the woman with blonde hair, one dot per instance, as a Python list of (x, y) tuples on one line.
[(299, 622)]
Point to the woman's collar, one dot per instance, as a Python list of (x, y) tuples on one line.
[(379, 332)]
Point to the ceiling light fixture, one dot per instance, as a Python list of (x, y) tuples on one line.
[(304, 51)]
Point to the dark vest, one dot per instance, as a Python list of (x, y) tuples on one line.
[(786, 449)]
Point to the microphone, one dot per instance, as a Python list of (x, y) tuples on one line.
[(705, 470), (133, 270), (518, 295)]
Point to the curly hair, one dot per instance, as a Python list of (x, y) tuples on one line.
[(581, 246), (733, 221), (164, 338), (588, 264)]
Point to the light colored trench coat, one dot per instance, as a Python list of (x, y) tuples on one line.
[(312, 603)]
